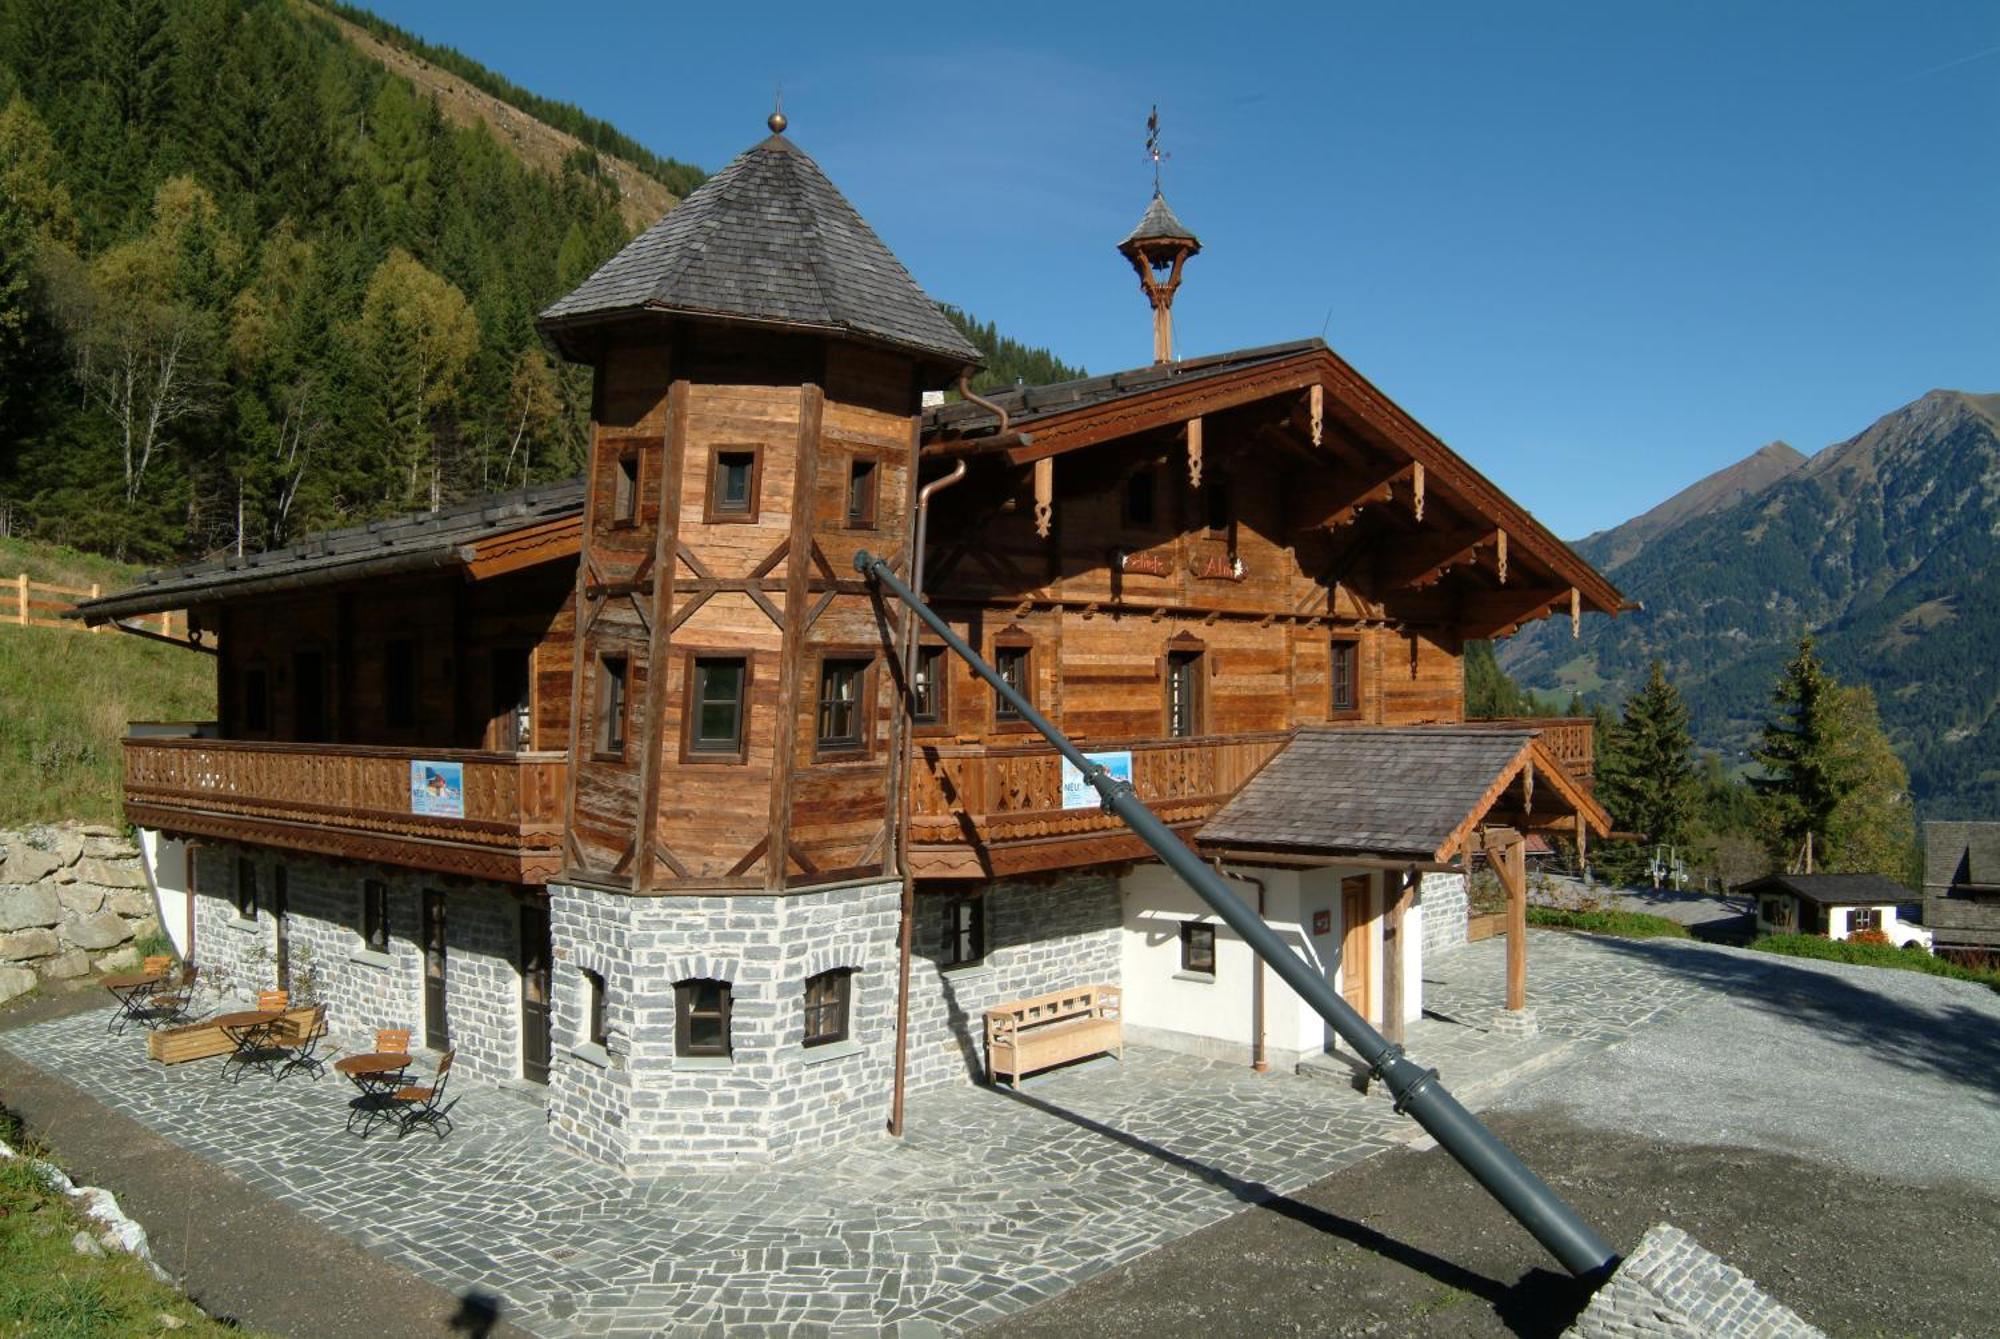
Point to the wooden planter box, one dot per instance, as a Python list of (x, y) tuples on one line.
[(198, 1041), (1485, 927)]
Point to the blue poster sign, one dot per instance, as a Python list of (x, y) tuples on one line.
[(437, 788), (1080, 794)]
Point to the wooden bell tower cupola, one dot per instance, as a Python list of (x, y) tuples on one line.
[(1158, 248)]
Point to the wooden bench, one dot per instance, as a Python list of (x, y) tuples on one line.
[(1033, 1034)]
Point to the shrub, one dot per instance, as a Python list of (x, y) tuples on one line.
[(1868, 937), (1624, 924), (1873, 955)]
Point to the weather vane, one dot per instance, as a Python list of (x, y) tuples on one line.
[(1153, 150)]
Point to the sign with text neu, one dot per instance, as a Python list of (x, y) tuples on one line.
[(1078, 793), (437, 788)]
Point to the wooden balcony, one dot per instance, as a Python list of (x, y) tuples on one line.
[(1573, 740), (355, 802), (981, 812)]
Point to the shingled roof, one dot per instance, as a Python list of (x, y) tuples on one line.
[(1025, 404), (1833, 890), (1965, 855), (1158, 224), (769, 239), (399, 544), (1390, 791)]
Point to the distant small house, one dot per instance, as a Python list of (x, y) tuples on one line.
[(1962, 888), (1836, 905)]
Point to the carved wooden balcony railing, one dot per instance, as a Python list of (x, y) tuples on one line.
[(354, 801), (1573, 739), (999, 810)]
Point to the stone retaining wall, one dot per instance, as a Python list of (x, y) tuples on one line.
[(73, 899)]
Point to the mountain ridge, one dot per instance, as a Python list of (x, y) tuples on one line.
[(1611, 549), (1882, 545)]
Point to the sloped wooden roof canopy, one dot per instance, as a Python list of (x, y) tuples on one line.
[(1407, 792), (485, 537), (1361, 432)]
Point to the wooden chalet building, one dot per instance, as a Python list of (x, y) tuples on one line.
[(616, 785)]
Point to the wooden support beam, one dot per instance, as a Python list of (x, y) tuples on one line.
[(1316, 396), (1372, 490), (1430, 565), (1400, 890), (1507, 854), (1045, 495), (1417, 489), (1499, 613), (1194, 445)]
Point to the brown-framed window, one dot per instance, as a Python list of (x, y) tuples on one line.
[(1142, 495), (701, 1018), (625, 490), (1344, 677), (734, 477), (827, 996), (964, 916), (593, 1007), (1198, 947), (717, 707), (927, 686), (375, 915), (1184, 694), (256, 699), (1863, 918), (864, 483), (399, 683), (843, 701), (246, 888), (613, 705), (1015, 670)]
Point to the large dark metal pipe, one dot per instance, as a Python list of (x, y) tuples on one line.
[(1416, 1089)]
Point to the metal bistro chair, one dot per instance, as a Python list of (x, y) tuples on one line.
[(424, 1104), (303, 1053), (172, 1001)]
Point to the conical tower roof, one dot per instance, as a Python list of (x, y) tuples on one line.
[(1159, 225), (769, 239)]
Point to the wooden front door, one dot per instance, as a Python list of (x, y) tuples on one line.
[(437, 1030), (281, 921), (536, 950), (1355, 981)]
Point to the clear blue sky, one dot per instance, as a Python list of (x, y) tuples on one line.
[(1600, 248)]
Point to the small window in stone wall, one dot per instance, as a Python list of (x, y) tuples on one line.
[(701, 1018), (246, 888), (375, 915), (964, 930), (826, 1006), (593, 1007)]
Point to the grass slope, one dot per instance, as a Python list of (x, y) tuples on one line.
[(68, 696), (1624, 924), (47, 1289), (1873, 955)]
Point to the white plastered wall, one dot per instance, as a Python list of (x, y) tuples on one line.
[(1211, 1015)]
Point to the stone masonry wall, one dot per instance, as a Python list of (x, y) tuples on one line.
[(1442, 896), (72, 900), (365, 990), (1672, 1288), (634, 1104), (1040, 937)]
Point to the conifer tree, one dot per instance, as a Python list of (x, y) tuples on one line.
[(1805, 773), (1646, 774)]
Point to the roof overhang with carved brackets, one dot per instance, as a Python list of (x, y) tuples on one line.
[(1303, 399)]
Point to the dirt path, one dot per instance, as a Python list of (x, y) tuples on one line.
[(1405, 1244), (240, 1255)]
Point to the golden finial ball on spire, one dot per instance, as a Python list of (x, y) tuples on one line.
[(777, 123)]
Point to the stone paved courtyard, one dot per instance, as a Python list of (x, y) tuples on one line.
[(991, 1203)]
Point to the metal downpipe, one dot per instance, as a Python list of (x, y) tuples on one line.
[(1416, 1090)]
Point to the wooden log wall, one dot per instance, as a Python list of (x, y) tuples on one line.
[(774, 585)]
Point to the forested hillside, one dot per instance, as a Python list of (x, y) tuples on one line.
[(1885, 546), (254, 284)]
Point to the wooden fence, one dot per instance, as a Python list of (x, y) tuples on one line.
[(41, 604)]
